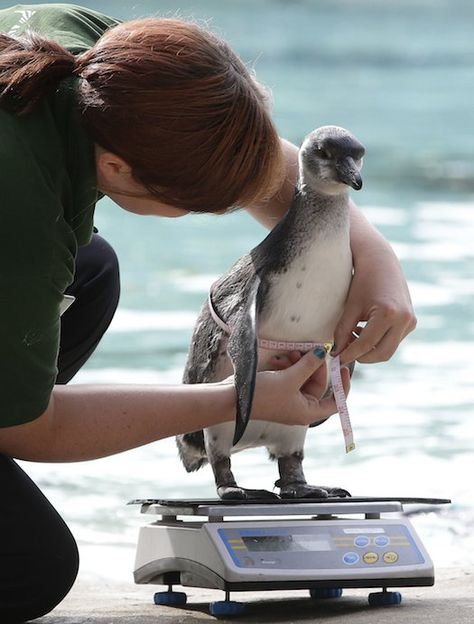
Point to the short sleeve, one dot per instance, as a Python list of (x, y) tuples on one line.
[(29, 339)]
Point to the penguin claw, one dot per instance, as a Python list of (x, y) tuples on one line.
[(234, 492)]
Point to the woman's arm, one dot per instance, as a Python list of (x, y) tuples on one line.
[(378, 297), (86, 422), (270, 213), (379, 293)]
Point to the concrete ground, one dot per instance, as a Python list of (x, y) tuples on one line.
[(450, 601)]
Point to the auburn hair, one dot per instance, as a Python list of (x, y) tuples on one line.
[(170, 98)]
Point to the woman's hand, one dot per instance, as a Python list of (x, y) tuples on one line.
[(294, 396), (378, 313)]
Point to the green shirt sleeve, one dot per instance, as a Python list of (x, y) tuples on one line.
[(74, 27), (29, 335)]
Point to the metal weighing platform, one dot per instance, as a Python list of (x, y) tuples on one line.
[(323, 545)]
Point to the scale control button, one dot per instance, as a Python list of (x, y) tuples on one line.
[(350, 558), (370, 557), (390, 557), (382, 540), (361, 541)]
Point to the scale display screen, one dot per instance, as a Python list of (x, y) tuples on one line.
[(277, 543)]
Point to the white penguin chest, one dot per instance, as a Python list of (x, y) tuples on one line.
[(305, 302)]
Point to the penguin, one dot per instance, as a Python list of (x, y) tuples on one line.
[(290, 287)]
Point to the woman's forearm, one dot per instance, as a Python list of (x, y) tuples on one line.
[(86, 422), (365, 238), (269, 214)]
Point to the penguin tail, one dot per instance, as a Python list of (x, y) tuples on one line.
[(191, 450)]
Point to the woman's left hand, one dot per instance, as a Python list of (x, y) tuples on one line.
[(378, 313)]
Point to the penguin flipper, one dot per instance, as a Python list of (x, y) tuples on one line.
[(200, 367), (242, 349)]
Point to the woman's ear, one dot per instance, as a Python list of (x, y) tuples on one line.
[(112, 171)]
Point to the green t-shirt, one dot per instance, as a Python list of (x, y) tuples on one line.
[(47, 199)]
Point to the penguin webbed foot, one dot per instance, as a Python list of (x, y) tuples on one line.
[(303, 490), (235, 492)]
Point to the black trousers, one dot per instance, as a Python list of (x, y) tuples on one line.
[(38, 554)]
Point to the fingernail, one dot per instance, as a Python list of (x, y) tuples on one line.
[(320, 353)]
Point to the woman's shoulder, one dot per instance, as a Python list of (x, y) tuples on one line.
[(75, 27)]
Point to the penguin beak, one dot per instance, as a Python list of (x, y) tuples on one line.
[(348, 173)]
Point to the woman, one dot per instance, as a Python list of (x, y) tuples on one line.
[(165, 119)]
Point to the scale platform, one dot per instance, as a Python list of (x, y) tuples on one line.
[(322, 545)]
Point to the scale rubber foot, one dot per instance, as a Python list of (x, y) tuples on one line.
[(170, 598), (227, 608), (321, 593), (384, 598)]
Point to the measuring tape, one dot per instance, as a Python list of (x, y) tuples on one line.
[(341, 403)]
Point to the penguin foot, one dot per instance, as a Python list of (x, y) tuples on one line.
[(234, 492), (303, 490), (338, 492)]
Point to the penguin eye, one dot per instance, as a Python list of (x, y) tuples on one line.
[(320, 152)]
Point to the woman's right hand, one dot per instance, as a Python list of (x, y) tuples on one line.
[(294, 396)]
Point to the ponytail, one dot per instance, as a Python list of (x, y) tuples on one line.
[(29, 68)]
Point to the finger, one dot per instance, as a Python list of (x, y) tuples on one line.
[(368, 339), (295, 356), (343, 332), (317, 384), (328, 405), (390, 341), (325, 408), (302, 370), (281, 361), (384, 350)]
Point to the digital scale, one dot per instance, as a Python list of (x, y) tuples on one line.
[(322, 545)]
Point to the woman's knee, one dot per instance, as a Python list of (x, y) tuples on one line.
[(44, 582), (97, 272), (38, 553)]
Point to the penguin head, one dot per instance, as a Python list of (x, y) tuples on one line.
[(330, 160)]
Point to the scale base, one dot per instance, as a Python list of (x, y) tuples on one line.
[(178, 578), (290, 544)]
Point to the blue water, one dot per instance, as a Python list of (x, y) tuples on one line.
[(400, 75)]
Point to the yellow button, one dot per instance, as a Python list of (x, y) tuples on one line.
[(370, 557), (390, 557)]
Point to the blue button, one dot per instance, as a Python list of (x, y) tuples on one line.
[(361, 541), (350, 558), (381, 540)]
